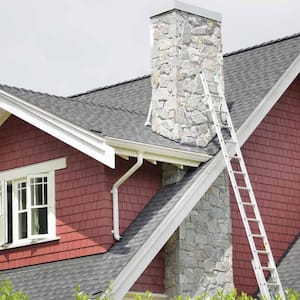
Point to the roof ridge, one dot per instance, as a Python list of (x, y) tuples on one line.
[(137, 112), (263, 44), (30, 91), (109, 86)]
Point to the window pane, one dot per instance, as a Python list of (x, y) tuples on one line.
[(39, 220), (23, 225), (22, 196), (38, 191)]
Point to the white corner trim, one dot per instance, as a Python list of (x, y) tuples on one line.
[(211, 171), (169, 5), (73, 135), (157, 153), (38, 168)]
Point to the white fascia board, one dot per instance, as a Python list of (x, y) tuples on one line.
[(73, 135), (157, 153), (211, 171)]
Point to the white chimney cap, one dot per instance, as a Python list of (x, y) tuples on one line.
[(168, 5)]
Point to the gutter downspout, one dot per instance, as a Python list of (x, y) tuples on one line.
[(115, 194)]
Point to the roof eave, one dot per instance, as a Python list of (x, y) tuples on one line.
[(155, 153), (82, 140), (166, 228)]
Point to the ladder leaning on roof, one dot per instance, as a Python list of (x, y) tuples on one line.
[(263, 261)]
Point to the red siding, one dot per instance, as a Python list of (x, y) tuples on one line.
[(83, 198), (272, 155), (153, 277)]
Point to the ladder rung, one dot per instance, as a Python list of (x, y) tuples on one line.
[(265, 268), (262, 251), (259, 236), (223, 125), (220, 111), (273, 284), (245, 188), (252, 220), (247, 203), (234, 157), (230, 142), (239, 172)]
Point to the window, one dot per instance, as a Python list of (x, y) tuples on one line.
[(27, 203)]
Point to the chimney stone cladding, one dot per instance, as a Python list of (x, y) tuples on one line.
[(184, 45)]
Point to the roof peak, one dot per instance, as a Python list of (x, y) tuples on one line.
[(263, 44)]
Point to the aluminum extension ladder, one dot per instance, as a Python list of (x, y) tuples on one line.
[(263, 261)]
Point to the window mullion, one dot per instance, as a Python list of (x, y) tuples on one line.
[(3, 215), (51, 204), (28, 201), (15, 211)]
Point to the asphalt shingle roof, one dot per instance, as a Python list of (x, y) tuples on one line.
[(289, 268), (120, 111)]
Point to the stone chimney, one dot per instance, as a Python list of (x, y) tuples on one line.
[(186, 41)]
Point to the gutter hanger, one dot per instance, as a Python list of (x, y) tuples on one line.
[(115, 194)]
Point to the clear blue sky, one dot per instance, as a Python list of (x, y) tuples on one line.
[(68, 46)]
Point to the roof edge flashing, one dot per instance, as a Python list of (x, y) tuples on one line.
[(186, 7)]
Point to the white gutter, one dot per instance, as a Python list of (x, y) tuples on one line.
[(115, 194), (157, 153)]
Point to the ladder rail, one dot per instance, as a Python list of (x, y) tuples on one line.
[(233, 150)]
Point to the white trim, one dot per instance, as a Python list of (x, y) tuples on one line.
[(169, 5), (27, 242), (154, 296), (211, 170), (2, 213), (157, 153), (73, 135), (4, 115), (42, 167)]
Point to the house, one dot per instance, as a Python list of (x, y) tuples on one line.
[(90, 194)]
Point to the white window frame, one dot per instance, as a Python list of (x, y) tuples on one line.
[(24, 174)]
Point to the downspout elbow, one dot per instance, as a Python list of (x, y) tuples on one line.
[(115, 194)]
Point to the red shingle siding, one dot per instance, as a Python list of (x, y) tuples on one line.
[(153, 277), (272, 155), (83, 198)]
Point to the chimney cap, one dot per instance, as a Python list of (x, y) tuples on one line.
[(169, 5)]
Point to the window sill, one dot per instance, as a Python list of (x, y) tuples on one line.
[(29, 243)]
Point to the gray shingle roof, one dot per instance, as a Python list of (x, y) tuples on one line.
[(120, 111), (289, 267)]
